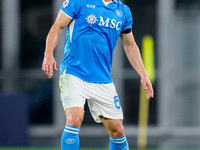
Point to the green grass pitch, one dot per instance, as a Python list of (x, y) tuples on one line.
[(49, 149), (80, 149), (42, 149)]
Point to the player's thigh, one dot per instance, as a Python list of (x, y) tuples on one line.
[(105, 102), (71, 91), (113, 126), (74, 116), (72, 98)]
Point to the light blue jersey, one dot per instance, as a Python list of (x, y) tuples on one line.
[(92, 36)]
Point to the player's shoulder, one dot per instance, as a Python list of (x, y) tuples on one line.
[(75, 4), (125, 10), (123, 6), (72, 2)]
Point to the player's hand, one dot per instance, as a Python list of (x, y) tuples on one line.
[(148, 87), (48, 65)]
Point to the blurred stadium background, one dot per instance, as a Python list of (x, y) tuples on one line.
[(31, 114)]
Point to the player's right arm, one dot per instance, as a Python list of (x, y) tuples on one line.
[(49, 62)]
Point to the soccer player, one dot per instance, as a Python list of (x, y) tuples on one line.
[(93, 28)]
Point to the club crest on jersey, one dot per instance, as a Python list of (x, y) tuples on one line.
[(119, 13)]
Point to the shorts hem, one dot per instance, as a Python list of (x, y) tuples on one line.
[(98, 120), (72, 106)]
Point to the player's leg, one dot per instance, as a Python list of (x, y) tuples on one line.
[(106, 104), (74, 116), (73, 103), (116, 131), (113, 126), (70, 136)]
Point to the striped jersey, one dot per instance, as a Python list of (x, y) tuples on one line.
[(91, 37)]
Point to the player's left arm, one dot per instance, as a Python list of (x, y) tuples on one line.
[(134, 57)]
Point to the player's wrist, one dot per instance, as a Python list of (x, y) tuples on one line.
[(48, 54), (143, 75)]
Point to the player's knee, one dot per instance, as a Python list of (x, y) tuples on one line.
[(117, 131), (74, 121)]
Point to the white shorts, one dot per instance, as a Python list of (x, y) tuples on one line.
[(102, 98)]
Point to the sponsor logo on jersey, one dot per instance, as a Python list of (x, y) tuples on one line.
[(109, 23), (69, 141), (91, 19)]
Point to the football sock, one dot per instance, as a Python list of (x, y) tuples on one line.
[(70, 138), (118, 143)]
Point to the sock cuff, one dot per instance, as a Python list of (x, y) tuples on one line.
[(118, 140), (71, 129)]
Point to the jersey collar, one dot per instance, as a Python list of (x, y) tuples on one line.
[(116, 1)]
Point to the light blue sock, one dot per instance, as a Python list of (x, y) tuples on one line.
[(70, 138), (118, 143)]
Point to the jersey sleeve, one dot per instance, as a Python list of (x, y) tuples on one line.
[(128, 21), (71, 7)]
